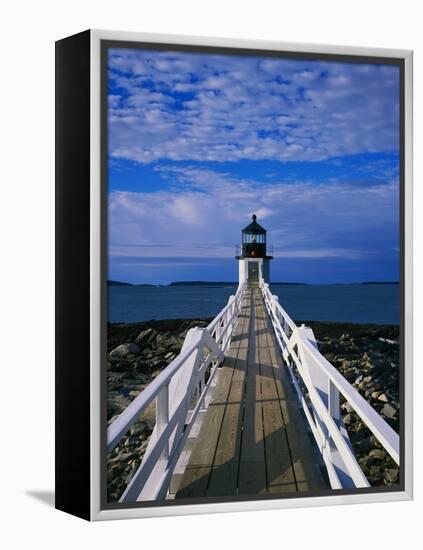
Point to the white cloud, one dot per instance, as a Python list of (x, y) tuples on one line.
[(196, 219), (247, 108)]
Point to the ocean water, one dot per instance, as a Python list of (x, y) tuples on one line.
[(350, 303)]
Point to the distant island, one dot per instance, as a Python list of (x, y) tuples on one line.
[(380, 283), (220, 283), (232, 283), (120, 283), (202, 283)]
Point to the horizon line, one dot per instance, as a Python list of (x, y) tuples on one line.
[(197, 282)]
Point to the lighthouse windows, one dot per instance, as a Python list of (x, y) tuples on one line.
[(249, 238)]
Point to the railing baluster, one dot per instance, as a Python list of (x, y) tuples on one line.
[(333, 401), (333, 406), (162, 417)]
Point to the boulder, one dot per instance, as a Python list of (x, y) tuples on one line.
[(391, 475), (389, 410), (348, 419), (144, 336), (124, 350), (377, 454), (347, 407)]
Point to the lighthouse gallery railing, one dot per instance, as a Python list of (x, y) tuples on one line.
[(319, 386), (179, 392)]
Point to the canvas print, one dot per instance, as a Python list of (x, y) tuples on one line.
[(253, 338)]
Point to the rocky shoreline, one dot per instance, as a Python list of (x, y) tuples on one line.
[(137, 353), (367, 355)]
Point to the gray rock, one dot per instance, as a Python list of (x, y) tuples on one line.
[(348, 419), (347, 408), (138, 428), (389, 411), (383, 398), (377, 454), (143, 447), (144, 336), (124, 350), (122, 457), (391, 475), (375, 471), (364, 445)]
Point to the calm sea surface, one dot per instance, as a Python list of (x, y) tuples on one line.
[(353, 303)]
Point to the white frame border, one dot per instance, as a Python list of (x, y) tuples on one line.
[(95, 269)]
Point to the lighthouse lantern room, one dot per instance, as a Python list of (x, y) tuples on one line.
[(253, 260)]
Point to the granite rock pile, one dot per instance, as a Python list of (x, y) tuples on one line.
[(137, 353)]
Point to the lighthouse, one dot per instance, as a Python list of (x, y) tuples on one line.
[(253, 261)]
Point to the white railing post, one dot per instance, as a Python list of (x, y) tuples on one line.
[(228, 318), (275, 301), (333, 405), (162, 417), (218, 331), (333, 401)]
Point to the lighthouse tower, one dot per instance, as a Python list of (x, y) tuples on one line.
[(253, 260)]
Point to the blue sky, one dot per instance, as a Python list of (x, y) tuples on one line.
[(200, 142)]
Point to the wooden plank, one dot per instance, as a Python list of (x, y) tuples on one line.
[(252, 472), (308, 475), (254, 438), (279, 470), (303, 450), (224, 474), (195, 480), (196, 476)]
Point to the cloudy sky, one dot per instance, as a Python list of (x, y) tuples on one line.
[(200, 142)]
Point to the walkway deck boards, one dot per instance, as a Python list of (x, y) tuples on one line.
[(253, 439)]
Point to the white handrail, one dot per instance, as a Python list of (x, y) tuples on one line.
[(376, 424), (306, 357), (171, 417), (123, 422)]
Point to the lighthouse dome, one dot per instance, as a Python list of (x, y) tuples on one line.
[(254, 227)]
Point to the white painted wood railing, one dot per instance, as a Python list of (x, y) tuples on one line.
[(319, 386), (179, 392)]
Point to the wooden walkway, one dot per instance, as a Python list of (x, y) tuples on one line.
[(253, 439)]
